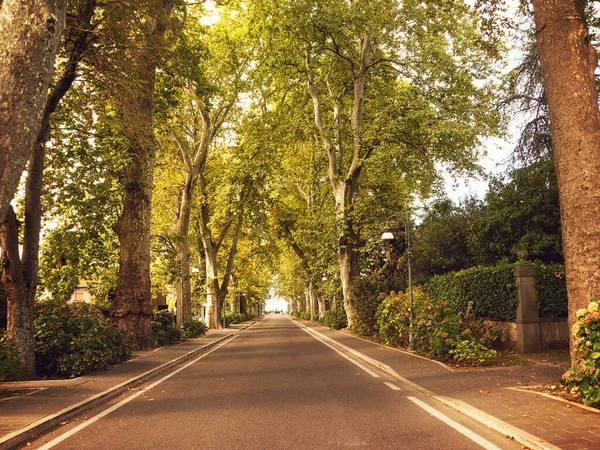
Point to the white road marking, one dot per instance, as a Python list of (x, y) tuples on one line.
[(123, 402), (457, 426), (392, 386), (366, 369)]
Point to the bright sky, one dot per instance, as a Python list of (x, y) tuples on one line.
[(276, 304)]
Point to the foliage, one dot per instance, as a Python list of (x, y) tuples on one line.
[(9, 363), (336, 318), (520, 212), (493, 290), (437, 331), (473, 353), (584, 377), (164, 328), (367, 297), (551, 287), (75, 338), (194, 328)]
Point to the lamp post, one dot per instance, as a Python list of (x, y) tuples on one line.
[(388, 236)]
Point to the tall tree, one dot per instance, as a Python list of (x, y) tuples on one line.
[(30, 32), (383, 77), (135, 86), (569, 61), (20, 298)]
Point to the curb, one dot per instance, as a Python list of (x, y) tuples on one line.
[(500, 426), (558, 399), (20, 436)]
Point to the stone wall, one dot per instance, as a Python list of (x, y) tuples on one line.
[(554, 333)]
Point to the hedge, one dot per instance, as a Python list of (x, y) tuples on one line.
[(493, 290)]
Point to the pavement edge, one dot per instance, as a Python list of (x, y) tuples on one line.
[(22, 435)]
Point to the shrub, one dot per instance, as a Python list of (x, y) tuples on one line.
[(336, 318), (368, 295), (551, 287), (164, 328), (493, 290), (584, 377), (194, 328), (75, 338), (234, 317), (9, 364), (437, 330), (473, 353)]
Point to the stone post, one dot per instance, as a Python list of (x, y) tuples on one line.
[(529, 337)]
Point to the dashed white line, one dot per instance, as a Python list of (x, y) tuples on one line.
[(457, 426), (392, 386)]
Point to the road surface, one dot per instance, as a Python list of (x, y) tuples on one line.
[(273, 386)]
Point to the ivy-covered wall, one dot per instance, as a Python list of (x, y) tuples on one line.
[(493, 290)]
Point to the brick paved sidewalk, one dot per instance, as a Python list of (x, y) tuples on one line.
[(49, 397), (493, 391)]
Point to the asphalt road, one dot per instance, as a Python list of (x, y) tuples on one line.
[(272, 387)]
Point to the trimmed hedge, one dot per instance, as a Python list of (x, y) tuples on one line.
[(493, 290)]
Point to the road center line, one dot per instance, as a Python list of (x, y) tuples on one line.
[(318, 338), (392, 386), (457, 426), (123, 402)]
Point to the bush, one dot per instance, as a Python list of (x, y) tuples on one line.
[(194, 328), (493, 290), (473, 353), (75, 338), (9, 364), (551, 287), (234, 317), (164, 328), (437, 330), (368, 294), (336, 318), (584, 377)]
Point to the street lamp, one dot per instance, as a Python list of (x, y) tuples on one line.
[(388, 236)]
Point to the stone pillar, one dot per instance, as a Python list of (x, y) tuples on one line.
[(529, 337)]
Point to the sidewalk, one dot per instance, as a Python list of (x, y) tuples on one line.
[(491, 394), (54, 401)]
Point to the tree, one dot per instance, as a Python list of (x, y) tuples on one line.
[(569, 61), (364, 63), (24, 268), (31, 31), (135, 84)]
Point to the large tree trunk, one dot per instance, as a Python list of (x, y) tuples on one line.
[(568, 63), (30, 33), (131, 307), (20, 307)]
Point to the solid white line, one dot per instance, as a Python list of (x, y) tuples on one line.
[(392, 386), (136, 394), (318, 338), (457, 426)]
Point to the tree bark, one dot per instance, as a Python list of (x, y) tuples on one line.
[(20, 308), (345, 183), (568, 63), (131, 307), (30, 33)]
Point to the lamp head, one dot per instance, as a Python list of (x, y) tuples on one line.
[(387, 236), (195, 270)]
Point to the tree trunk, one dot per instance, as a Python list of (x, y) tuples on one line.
[(20, 315), (322, 306), (568, 63), (184, 290), (213, 292), (132, 308), (29, 38)]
